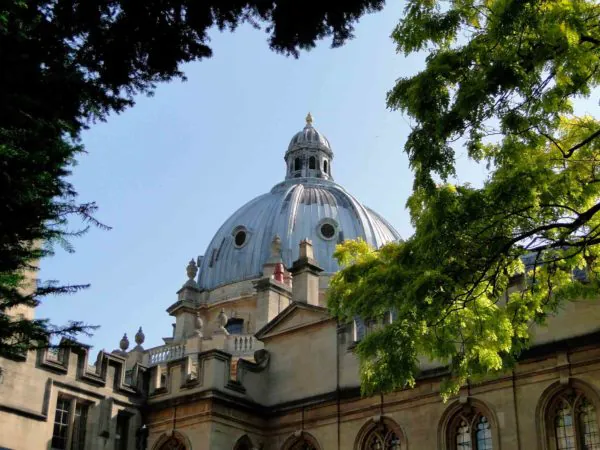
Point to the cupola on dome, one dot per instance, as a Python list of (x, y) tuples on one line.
[(308, 204), (309, 138)]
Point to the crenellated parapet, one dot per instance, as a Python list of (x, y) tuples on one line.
[(109, 370)]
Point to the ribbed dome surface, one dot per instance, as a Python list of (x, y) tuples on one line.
[(320, 210), (309, 137)]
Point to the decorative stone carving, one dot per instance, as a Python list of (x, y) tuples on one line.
[(222, 318), (198, 324), (124, 343), (276, 247), (140, 337), (192, 269)]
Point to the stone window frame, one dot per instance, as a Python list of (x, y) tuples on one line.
[(178, 436), (372, 426), (333, 223), (239, 229), (548, 402), (244, 443), (74, 402), (298, 438), (473, 409)]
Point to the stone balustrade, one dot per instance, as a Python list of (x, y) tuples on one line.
[(165, 353), (242, 344)]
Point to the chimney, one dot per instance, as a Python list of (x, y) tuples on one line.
[(305, 272), (272, 296)]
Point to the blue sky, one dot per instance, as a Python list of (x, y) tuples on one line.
[(169, 171)]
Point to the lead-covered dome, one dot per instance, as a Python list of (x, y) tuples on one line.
[(308, 204), (311, 138)]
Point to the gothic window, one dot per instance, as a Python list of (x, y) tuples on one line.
[(297, 164), (469, 429), (303, 442), (311, 162), (243, 443), (381, 438), (303, 445), (173, 444), (383, 434), (573, 422)]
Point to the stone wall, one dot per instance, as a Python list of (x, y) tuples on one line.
[(30, 388)]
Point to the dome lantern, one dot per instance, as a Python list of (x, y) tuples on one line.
[(309, 154)]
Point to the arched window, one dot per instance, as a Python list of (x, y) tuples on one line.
[(297, 164), (468, 426), (301, 441), (312, 162), (572, 422), (383, 434), (472, 433), (177, 441), (325, 166), (243, 443), (173, 444)]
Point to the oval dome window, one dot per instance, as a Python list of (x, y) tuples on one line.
[(327, 230), (240, 238)]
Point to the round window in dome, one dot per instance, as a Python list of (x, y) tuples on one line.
[(327, 229), (240, 236)]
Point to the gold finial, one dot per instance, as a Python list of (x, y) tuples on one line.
[(309, 119)]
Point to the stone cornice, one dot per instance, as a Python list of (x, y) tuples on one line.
[(183, 306), (306, 264), (268, 283)]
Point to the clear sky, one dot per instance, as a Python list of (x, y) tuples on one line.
[(169, 171)]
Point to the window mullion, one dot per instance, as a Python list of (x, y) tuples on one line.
[(72, 405), (576, 427)]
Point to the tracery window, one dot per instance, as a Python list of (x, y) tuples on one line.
[(303, 445), (304, 441), (380, 434), (573, 422), (470, 430), (173, 444), (382, 437)]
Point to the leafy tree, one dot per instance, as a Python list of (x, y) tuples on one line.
[(64, 64), (484, 263)]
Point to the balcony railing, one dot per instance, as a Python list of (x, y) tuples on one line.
[(163, 354), (242, 344)]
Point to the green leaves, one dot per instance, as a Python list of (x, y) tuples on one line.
[(484, 264)]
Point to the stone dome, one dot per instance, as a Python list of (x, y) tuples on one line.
[(308, 204)]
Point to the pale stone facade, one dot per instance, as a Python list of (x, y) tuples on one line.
[(256, 362)]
